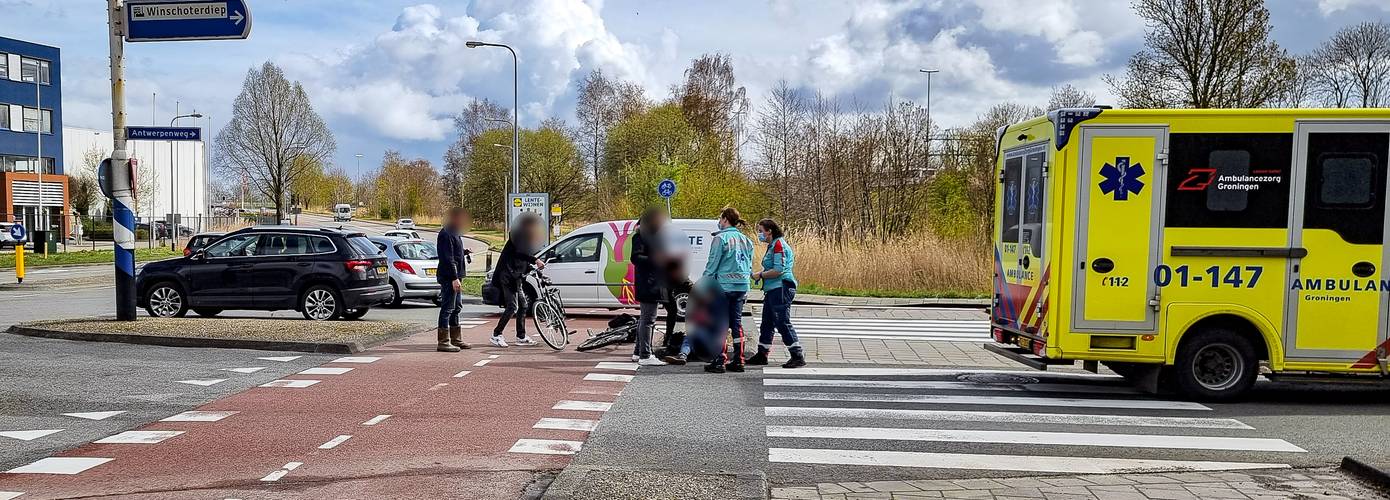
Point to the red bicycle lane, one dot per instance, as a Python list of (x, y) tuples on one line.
[(397, 421)]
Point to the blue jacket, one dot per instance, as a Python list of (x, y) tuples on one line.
[(779, 257), (452, 263), (730, 260)]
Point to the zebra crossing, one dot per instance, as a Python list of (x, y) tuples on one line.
[(950, 330), (999, 420)]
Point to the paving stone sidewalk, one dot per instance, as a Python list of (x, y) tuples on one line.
[(1322, 484)]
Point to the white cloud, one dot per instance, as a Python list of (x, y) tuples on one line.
[(1329, 7)]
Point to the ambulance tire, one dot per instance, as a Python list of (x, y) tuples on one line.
[(1215, 364)]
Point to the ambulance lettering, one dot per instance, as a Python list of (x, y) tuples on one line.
[(1323, 289)]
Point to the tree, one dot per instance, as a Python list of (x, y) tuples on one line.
[(777, 134), (1353, 67), (85, 195), (274, 136), (596, 111), (308, 187), (476, 117), (713, 103), (1204, 54), (549, 163), (405, 188), (1068, 96)]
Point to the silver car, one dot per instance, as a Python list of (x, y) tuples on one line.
[(411, 266)]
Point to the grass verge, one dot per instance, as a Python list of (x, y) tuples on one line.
[(914, 266), (32, 259)]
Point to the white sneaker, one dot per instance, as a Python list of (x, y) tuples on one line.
[(651, 361), (525, 341), (498, 341), (635, 359)]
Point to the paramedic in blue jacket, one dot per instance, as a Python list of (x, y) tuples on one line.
[(779, 288), (453, 263), (730, 266)]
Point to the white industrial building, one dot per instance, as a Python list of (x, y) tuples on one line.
[(180, 165)]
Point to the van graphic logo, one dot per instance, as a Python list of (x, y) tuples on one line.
[(1121, 178)]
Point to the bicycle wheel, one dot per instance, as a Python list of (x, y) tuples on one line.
[(602, 340), (550, 322)]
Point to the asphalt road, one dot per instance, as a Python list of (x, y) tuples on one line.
[(848, 423)]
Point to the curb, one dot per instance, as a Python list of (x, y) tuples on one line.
[(260, 345), (751, 485), (1369, 473)]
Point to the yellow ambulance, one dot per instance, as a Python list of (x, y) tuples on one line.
[(1187, 249)]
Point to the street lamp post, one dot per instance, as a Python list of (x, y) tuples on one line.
[(173, 187), (516, 102), (929, 73)]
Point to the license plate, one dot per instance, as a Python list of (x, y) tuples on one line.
[(431, 271), (380, 270)]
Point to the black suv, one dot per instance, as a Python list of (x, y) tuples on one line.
[(323, 273)]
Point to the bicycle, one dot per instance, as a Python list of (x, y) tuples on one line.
[(548, 312), (620, 329)]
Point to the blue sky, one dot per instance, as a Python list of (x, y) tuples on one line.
[(389, 74)]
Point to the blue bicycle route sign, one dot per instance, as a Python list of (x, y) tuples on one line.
[(667, 188), (169, 20)]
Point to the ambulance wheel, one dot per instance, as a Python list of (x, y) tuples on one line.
[(1215, 364)]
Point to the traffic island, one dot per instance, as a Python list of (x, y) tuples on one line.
[(334, 337)]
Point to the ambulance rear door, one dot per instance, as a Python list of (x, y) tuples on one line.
[(1337, 295), (1118, 228)]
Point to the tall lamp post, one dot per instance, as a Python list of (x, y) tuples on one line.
[(516, 102), (929, 73), (173, 188)]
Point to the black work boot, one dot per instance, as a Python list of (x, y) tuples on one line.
[(678, 359), (442, 336), (759, 359), (797, 360), (714, 368)]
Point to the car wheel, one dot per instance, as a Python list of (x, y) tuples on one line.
[(207, 313), (321, 303), (396, 297), (1215, 364), (166, 300), (352, 314)]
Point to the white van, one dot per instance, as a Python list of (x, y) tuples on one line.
[(591, 266), (342, 212)]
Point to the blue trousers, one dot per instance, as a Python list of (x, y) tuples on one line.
[(777, 305), (450, 303), (729, 319)]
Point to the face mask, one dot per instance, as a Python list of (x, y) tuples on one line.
[(762, 237)]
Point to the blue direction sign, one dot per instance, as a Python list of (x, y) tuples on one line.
[(667, 188), (164, 133), (17, 232), (167, 20)]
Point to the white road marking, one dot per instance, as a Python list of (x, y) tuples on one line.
[(1139, 404), (494, 356), (1067, 465), (613, 365), (1007, 417), (566, 424), (482, 362), (1036, 438), (281, 358), (582, 406), (333, 443), (199, 416), (949, 385), (546, 446), (95, 415), (356, 359), (29, 435), (203, 382), (10, 495), (462, 373), (598, 390), (138, 437), (294, 384), (325, 370), (275, 476), (59, 465), (376, 420), (437, 386), (249, 369), (879, 372), (607, 377)]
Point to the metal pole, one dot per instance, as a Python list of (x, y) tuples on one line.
[(124, 227), (516, 116), (173, 184), (39, 222)]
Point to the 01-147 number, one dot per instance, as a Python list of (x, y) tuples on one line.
[(1217, 276)]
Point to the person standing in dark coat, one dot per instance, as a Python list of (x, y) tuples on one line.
[(453, 266), (649, 281), (518, 255)]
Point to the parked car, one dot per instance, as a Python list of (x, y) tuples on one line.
[(405, 223), (200, 241), (6, 240), (408, 234), (584, 260), (323, 273), (412, 264)]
